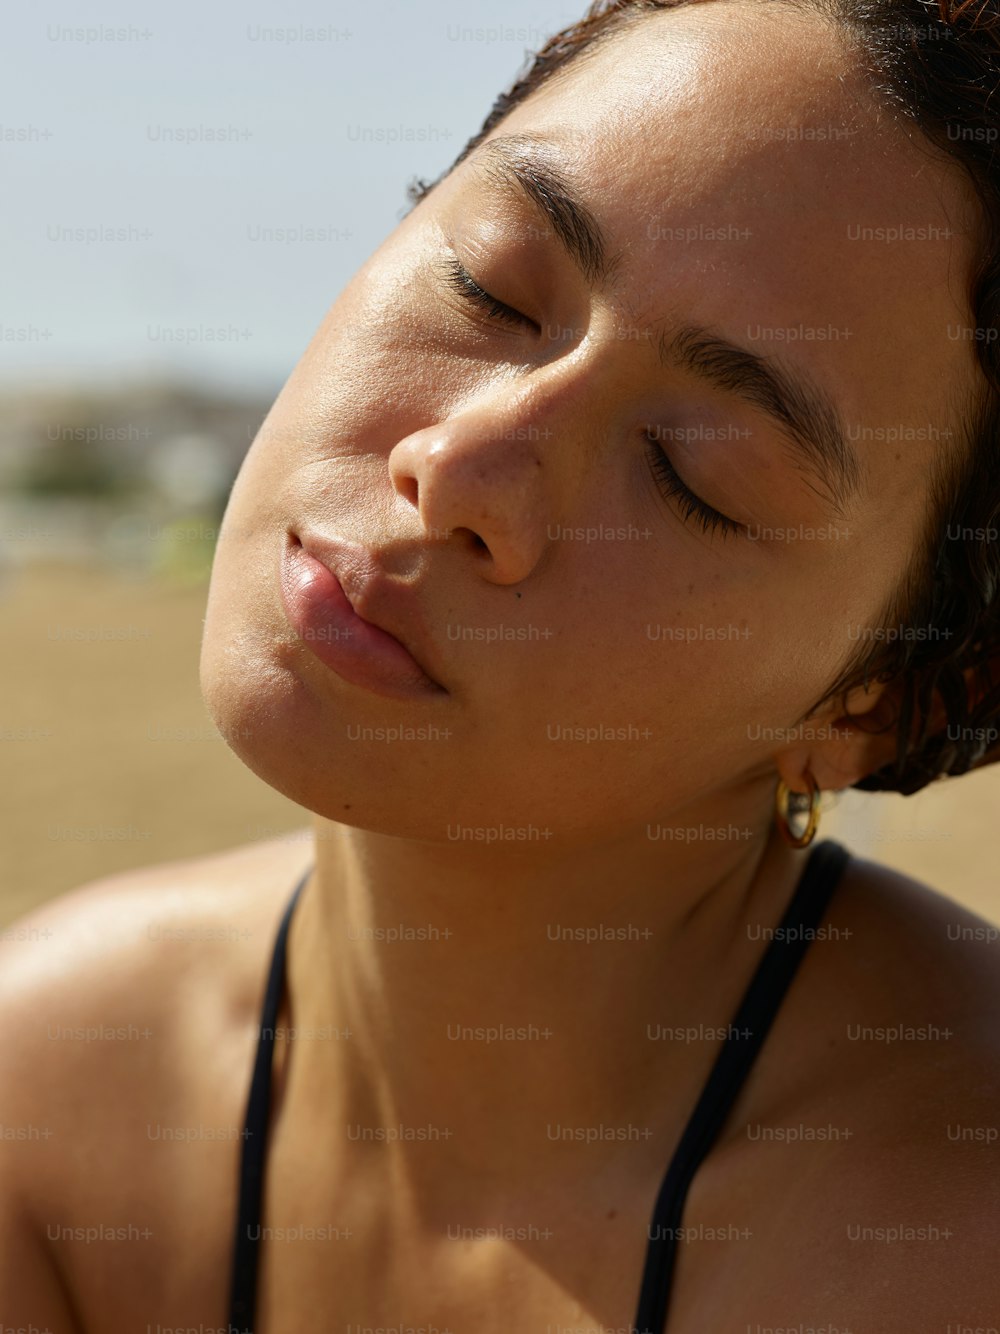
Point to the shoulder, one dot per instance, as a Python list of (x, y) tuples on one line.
[(909, 1043), (90, 947), (864, 1150), (115, 994), (899, 981), (924, 956), (908, 987)]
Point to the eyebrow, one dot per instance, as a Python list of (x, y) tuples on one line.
[(806, 414)]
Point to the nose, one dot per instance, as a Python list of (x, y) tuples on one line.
[(499, 469)]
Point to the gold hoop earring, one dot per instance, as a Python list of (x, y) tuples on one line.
[(782, 797)]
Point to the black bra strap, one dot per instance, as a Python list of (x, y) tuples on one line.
[(755, 1014), (756, 1011), (247, 1247)]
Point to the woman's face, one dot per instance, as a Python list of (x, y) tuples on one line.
[(500, 472)]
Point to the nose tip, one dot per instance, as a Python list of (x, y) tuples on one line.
[(465, 478)]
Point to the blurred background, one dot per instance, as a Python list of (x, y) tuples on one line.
[(188, 190)]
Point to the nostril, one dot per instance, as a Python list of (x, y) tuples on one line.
[(408, 489)]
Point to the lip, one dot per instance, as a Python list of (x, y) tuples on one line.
[(340, 604)]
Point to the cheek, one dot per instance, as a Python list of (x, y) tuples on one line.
[(681, 665), (360, 387), (706, 667)]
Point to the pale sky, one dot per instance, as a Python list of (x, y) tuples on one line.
[(128, 251)]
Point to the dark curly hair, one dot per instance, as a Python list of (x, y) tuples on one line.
[(937, 64)]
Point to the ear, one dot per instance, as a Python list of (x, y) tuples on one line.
[(841, 746)]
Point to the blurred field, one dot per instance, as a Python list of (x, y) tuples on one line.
[(132, 770), (109, 759)]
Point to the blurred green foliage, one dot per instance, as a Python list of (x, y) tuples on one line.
[(73, 468)]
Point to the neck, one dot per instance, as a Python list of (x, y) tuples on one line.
[(509, 1008)]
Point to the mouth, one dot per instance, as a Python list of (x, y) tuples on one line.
[(315, 578)]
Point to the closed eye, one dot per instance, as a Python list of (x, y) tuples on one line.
[(671, 484), (458, 277)]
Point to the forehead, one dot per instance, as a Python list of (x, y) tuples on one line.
[(742, 174)]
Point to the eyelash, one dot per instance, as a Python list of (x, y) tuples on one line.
[(671, 483), (461, 280), (668, 481)]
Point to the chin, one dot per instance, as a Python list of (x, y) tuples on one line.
[(287, 729)]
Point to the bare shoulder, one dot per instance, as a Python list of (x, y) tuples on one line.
[(904, 1005), (127, 1007), (911, 989), (863, 1155), (104, 949), (928, 960)]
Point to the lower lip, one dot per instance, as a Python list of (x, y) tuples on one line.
[(320, 614)]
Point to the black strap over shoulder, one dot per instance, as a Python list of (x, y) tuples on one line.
[(246, 1245), (748, 1029)]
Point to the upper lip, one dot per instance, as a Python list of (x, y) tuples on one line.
[(373, 595)]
